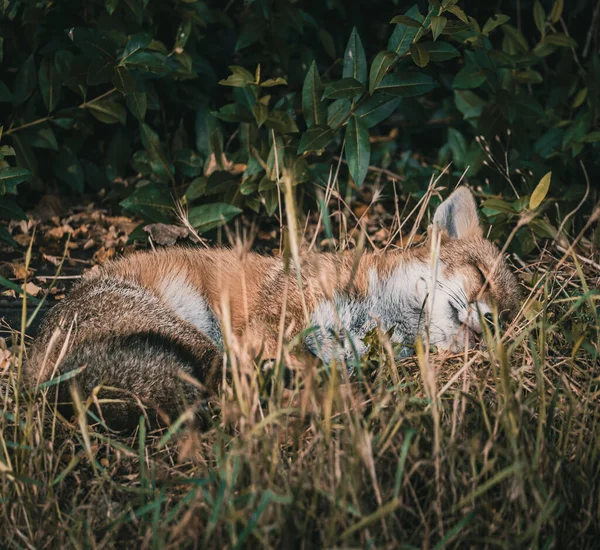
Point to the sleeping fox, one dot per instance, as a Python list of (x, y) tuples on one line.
[(139, 321)]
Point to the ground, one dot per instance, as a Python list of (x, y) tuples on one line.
[(494, 448)]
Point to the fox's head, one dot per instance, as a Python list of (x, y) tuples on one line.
[(473, 279)]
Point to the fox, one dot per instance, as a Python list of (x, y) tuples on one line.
[(136, 323)]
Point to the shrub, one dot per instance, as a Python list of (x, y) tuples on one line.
[(94, 93)]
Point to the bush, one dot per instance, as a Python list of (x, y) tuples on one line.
[(94, 93)]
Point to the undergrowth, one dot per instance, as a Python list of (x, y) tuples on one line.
[(496, 447)]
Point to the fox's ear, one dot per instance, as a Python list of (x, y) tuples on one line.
[(457, 215)]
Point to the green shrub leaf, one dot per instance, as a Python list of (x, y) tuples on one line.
[(344, 88), (151, 203), (377, 108), (49, 83), (358, 149), (494, 22), (10, 177), (404, 33), (355, 60), (313, 109), (208, 216), (407, 84), (419, 54), (438, 24), (109, 112), (380, 67), (315, 139)]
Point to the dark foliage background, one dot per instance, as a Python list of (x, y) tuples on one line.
[(130, 98)]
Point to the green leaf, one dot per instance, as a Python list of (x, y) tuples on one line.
[(234, 112), (539, 17), (313, 109), (456, 27), (208, 216), (358, 149), (440, 51), (579, 98), (197, 188), (139, 41), (420, 55), (10, 177), (156, 155), (5, 236), (63, 61), (517, 36), (137, 103), (315, 139), (438, 24), (557, 10), (260, 112), (560, 39), (344, 88), (528, 76), (5, 93), (150, 62), (252, 31), (25, 81), (67, 169), (328, 43), (592, 137), (379, 68), (43, 137), (239, 77), (337, 112), (111, 6), (49, 83), (403, 34), (109, 112), (405, 20), (540, 191), (459, 13), (280, 121), (494, 22), (377, 108), (498, 205), (273, 82), (188, 162), (470, 76), (150, 203), (407, 84), (124, 80), (184, 32), (10, 210), (355, 60)]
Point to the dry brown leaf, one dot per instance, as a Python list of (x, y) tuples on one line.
[(22, 239), (19, 271), (31, 289), (166, 234), (59, 232), (51, 259)]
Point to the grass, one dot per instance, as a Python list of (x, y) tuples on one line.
[(494, 448)]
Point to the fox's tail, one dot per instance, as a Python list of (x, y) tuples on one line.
[(128, 348)]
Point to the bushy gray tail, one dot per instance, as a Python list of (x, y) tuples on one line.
[(147, 365)]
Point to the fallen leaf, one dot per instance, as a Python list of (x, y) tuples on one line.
[(166, 234), (22, 239), (31, 289), (19, 271)]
